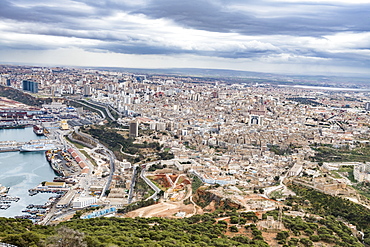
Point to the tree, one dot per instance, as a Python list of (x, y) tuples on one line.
[(241, 239), (283, 235), (67, 237), (26, 239), (315, 238), (293, 241), (233, 229), (234, 220), (306, 242)]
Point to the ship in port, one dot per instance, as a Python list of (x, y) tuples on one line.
[(12, 126), (38, 130), (54, 162), (37, 147)]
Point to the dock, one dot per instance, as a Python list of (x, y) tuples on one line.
[(13, 146), (2, 150), (6, 198), (6, 201)]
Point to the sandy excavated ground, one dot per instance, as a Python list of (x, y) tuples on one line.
[(162, 209), (168, 209)]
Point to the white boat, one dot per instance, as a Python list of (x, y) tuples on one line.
[(37, 147), (3, 189)]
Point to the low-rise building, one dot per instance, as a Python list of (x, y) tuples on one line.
[(82, 202)]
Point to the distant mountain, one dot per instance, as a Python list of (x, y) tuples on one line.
[(237, 76), (193, 72), (246, 77)]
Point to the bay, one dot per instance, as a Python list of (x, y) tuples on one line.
[(22, 171)]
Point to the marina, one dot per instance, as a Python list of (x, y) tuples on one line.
[(21, 171)]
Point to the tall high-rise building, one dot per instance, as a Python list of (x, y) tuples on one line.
[(87, 90), (367, 106), (30, 86), (134, 129)]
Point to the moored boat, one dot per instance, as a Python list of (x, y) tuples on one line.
[(4, 206), (38, 130), (12, 126)]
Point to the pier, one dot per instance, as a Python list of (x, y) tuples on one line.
[(13, 146), (6, 199)]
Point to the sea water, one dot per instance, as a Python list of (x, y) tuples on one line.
[(22, 171)]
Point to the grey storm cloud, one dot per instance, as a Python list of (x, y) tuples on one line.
[(215, 16), (39, 14), (231, 29)]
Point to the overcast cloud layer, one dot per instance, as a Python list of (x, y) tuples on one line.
[(308, 37)]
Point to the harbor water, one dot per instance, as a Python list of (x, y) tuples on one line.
[(22, 171)]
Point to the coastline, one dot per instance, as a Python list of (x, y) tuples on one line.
[(22, 171)]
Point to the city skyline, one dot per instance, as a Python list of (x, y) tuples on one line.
[(287, 36)]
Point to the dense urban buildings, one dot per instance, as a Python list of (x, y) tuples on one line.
[(245, 141)]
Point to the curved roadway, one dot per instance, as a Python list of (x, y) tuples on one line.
[(87, 105), (108, 152)]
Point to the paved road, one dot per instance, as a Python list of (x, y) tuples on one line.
[(281, 186), (87, 105), (142, 175), (113, 109), (132, 155), (150, 183), (112, 158), (108, 153), (102, 105), (132, 186)]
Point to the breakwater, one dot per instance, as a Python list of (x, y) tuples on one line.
[(22, 171)]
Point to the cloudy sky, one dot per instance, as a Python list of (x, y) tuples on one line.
[(283, 36)]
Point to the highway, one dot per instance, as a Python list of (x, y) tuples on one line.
[(84, 182), (142, 175), (150, 183), (87, 105), (109, 154), (113, 109), (79, 141), (112, 158), (101, 105), (132, 186)]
